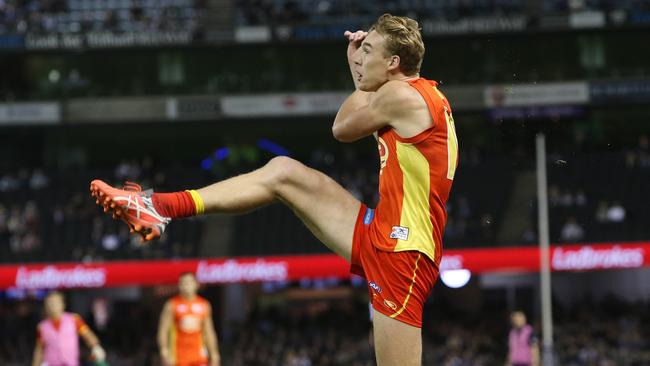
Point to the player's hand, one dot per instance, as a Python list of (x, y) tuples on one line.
[(166, 359), (354, 39), (215, 361), (98, 353)]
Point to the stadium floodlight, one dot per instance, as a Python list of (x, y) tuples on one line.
[(455, 278)]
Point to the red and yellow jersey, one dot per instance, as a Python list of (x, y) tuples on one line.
[(415, 180), (187, 342)]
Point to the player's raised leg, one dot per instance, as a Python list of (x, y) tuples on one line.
[(325, 207)]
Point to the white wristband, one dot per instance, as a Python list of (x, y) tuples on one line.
[(98, 353)]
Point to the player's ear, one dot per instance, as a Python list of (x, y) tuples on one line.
[(393, 62)]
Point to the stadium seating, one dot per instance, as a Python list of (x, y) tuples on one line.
[(47, 216), (56, 220), (79, 16), (587, 187)]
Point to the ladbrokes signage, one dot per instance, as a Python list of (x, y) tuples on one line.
[(53, 277), (589, 258), (231, 271), (291, 268)]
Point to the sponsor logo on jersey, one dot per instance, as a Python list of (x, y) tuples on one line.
[(390, 304), (400, 232), (374, 286)]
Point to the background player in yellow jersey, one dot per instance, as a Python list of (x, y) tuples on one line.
[(186, 335)]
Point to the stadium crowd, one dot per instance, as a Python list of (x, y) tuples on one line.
[(337, 333), (82, 16), (590, 203), (256, 12), (46, 215), (49, 217)]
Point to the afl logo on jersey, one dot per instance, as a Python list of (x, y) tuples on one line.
[(383, 153), (197, 308), (190, 323)]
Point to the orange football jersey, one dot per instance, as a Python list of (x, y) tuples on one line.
[(415, 180), (187, 343)]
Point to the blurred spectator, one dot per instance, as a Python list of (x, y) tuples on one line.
[(30, 242), (529, 236), (615, 213), (554, 196), (639, 157), (38, 180), (601, 212), (643, 151), (572, 231), (127, 170), (110, 241), (580, 198), (8, 183), (566, 199), (3, 221), (31, 215)]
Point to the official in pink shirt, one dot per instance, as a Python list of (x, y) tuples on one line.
[(58, 336), (522, 343)]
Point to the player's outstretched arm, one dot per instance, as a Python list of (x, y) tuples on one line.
[(534, 349), (91, 340), (164, 325), (211, 340)]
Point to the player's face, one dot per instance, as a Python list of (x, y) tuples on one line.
[(54, 306), (518, 319), (188, 286), (372, 64)]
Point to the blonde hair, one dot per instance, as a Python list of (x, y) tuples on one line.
[(403, 38)]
